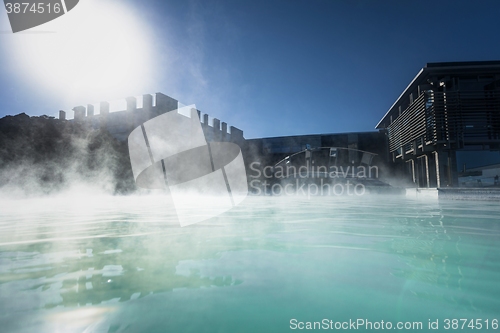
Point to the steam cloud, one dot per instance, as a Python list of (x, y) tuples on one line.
[(42, 156)]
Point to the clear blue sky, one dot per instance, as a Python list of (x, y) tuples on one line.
[(275, 67)]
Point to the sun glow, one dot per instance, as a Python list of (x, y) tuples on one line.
[(97, 51)]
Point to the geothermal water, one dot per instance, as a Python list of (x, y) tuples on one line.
[(272, 264)]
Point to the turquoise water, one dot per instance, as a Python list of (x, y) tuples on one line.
[(272, 264)]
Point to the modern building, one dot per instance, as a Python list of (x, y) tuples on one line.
[(446, 122)]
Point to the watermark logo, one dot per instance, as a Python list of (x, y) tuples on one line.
[(170, 152), (309, 180), (26, 14)]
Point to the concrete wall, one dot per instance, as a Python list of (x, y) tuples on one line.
[(121, 123)]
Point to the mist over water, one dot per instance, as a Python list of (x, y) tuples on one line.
[(42, 156), (123, 264)]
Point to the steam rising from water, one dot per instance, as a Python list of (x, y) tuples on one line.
[(40, 156)]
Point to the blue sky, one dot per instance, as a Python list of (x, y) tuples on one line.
[(272, 67)]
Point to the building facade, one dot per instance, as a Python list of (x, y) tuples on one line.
[(445, 122), (353, 150)]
